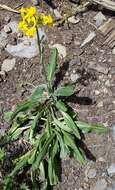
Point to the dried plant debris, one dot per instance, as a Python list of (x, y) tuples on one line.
[(108, 30)]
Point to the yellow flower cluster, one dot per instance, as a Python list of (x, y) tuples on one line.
[(30, 20)]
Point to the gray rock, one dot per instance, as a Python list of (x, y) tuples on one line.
[(14, 26), (91, 173), (99, 68), (8, 64), (2, 132), (113, 131), (101, 184), (3, 39), (99, 18), (26, 48), (7, 18), (74, 77), (7, 29), (111, 169), (75, 61)]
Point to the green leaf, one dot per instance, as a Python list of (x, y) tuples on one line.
[(52, 164), (71, 124), (90, 127), (23, 161), (63, 147), (61, 106), (52, 64), (38, 93), (69, 140), (64, 91), (2, 155), (23, 186), (7, 116), (43, 152), (37, 117), (23, 107), (62, 125)]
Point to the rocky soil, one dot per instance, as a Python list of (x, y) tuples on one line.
[(86, 61)]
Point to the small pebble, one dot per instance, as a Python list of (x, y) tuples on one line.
[(74, 77), (73, 20), (7, 29), (8, 64), (111, 169), (7, 19), (91, 173)]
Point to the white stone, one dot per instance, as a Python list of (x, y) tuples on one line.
[(111, 169), (88, 39), (61, 49), (73, 20), (7, 29), (101, 184), (8, 64), (74, 77), (57, 13)]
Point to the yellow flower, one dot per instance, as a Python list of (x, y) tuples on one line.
[(29, 23), (44, 20), (30, 19), (47, 20), (29, 12)]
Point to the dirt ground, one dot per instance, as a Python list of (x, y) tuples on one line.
[(95, 89)]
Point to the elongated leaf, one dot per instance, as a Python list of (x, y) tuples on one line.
[(23, 161), (52, 64), (23, 107), (69, 140), (37, 117), (63, 147), (61, 106), (43, 152), (71, 124), (62, 125), (52, 164), (90, 127), (39, 94), (64, 91), (17, 133)]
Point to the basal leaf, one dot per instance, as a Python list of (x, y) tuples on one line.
[(63, 147), (71, 124), (87, 127), (52, 64), (69, 140), (23, 161), (43, 152), (61, 106), (62, 125), (64, 91), (39, 93), (52, 164)]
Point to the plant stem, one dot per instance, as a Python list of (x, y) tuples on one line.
[(41, 52)]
